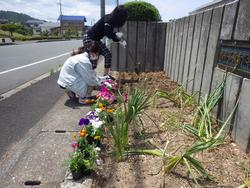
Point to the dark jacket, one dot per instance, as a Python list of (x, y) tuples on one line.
[(105, 26), (102, 28)]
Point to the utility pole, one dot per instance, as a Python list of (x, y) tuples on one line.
[(60, 4), (117, 2), (102, 8)]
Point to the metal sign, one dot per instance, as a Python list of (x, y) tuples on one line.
[(233, 55)]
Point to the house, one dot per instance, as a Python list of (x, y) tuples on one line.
[(213, 4), (49, 26), (72, 23), (34, 24)]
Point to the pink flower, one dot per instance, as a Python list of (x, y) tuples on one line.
[(126, 97), (74, 145)]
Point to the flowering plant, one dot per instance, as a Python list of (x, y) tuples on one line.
[(106, 95)]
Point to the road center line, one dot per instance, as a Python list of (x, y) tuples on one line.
[(35, 63)]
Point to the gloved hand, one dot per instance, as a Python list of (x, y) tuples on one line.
[(119, 35), (123, 43)]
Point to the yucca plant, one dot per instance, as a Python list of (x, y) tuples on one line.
[(125, 114), (138, 102), (202, 123), (179, 97), (119, 132), (191, 163)]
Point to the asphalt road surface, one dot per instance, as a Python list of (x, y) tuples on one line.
[(23, 110), (24, 62)]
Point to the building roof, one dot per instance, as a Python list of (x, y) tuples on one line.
[(35, 21), (50, 24), (72, 18)]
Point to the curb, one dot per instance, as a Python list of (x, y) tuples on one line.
[(7, 43)]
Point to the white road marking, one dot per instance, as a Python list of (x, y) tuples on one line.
[(35, 63)]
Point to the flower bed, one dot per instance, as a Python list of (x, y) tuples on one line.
[(148, 146)]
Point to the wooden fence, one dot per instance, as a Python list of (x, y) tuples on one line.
[(145, 47), (187, 50)]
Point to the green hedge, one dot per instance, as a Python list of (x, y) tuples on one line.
[(24, 38), (142, 11)]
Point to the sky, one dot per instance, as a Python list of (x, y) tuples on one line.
[(49, 9)]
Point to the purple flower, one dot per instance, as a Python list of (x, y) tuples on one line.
[(83, 121), (92, 115)]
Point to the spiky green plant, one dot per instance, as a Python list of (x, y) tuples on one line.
[(187, 158), (202, 124), (203, 118), (138, 102), (119, 132), (125, 114), (178, 96)]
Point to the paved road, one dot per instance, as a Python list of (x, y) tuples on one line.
[(23, 110), (21, 63)]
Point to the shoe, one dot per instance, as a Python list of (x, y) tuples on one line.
[(86, 101), (70, 94)]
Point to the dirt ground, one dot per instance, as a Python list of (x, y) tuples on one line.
[(226, 162)]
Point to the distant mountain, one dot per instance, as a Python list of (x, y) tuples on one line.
[(15, 17)]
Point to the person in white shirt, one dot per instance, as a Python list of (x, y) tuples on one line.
[(77, 75)]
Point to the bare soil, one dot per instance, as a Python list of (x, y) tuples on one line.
[(226, 162)]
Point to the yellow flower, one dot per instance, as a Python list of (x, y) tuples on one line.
[(110, 110), (83, 133), (74, 136), (100, 105), (103, 108), (97, 138)]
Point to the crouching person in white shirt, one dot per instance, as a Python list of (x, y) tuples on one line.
[(77, 75)]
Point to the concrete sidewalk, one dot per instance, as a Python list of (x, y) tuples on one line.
[(41, 154)]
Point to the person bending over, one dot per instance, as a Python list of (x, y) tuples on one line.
[(77, 75), (104, 27)]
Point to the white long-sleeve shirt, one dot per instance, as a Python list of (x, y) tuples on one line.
[(77, 74)]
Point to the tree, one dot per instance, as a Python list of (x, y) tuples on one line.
[(10, 27), (142, 11)]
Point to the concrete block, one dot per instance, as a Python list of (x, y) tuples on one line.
[(241, 127)]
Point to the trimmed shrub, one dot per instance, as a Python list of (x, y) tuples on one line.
[(142, 11)]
